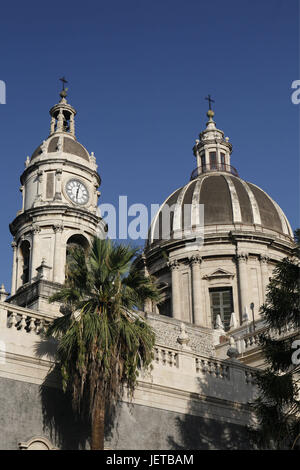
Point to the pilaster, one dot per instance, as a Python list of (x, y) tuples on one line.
[(58, 265), (35, 231), (14, 268), (195, 263), (176, 310), (264, 274), (243, 280)]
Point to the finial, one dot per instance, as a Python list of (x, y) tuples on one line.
[(232, 352), (210, 113), (183, 338), (64, 90), (3, 294)]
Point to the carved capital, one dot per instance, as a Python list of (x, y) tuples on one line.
[(242, 257), (58, 228), (264, 259), (173, 264), (35, 229), (195, 259)]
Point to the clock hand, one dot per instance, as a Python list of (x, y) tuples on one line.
[(77, 194)]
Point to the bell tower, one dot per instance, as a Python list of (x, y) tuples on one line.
[(60, 207)]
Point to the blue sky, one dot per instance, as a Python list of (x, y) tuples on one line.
[(138, 73)]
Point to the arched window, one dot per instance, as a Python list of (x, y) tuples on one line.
[(78, 240), (73, 241), (25, 259)]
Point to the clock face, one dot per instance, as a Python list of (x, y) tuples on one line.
[(77, 192)]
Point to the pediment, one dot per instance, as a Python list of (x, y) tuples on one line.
[(219, 273)]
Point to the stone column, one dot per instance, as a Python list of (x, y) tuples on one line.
[(34, 250), (72, 124), (176, 301), (58, 264), (52, 125), (207, 162), (195, 262), (264, 274), (243, 281), (218, 155), (14, 269)]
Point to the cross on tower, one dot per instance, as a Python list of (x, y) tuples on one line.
[(63, 80), (210, 100)]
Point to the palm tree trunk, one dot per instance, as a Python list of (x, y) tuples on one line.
[(98, 422)]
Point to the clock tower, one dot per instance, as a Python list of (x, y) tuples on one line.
[(60, 207)]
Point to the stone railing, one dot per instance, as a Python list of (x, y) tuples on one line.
[(165, 357), (29, 323), (247, 339), (185, 361), (23, 319), (212, 367), (179, 367)]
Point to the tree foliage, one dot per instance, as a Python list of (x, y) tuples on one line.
[(277, 407), (102, 340)]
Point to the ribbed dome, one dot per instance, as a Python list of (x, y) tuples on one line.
[(70, 146), (228, 201)]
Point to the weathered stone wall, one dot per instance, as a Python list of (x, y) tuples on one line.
[(167, 331), (27, 410)]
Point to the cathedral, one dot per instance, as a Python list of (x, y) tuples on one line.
[(212, 247)]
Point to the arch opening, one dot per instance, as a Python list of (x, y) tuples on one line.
[(25, 260)]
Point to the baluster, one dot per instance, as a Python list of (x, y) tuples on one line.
[(176, 360), (41, 327), (156, 355), (23, 323), (12, 320), (32, 325), (163, 356)]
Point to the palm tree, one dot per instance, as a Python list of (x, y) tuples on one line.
[(102, 339)]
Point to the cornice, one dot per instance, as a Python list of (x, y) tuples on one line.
[(59, 161), (29, 215)]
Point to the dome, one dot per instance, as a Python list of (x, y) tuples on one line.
[(229, 203), (70, 146)]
